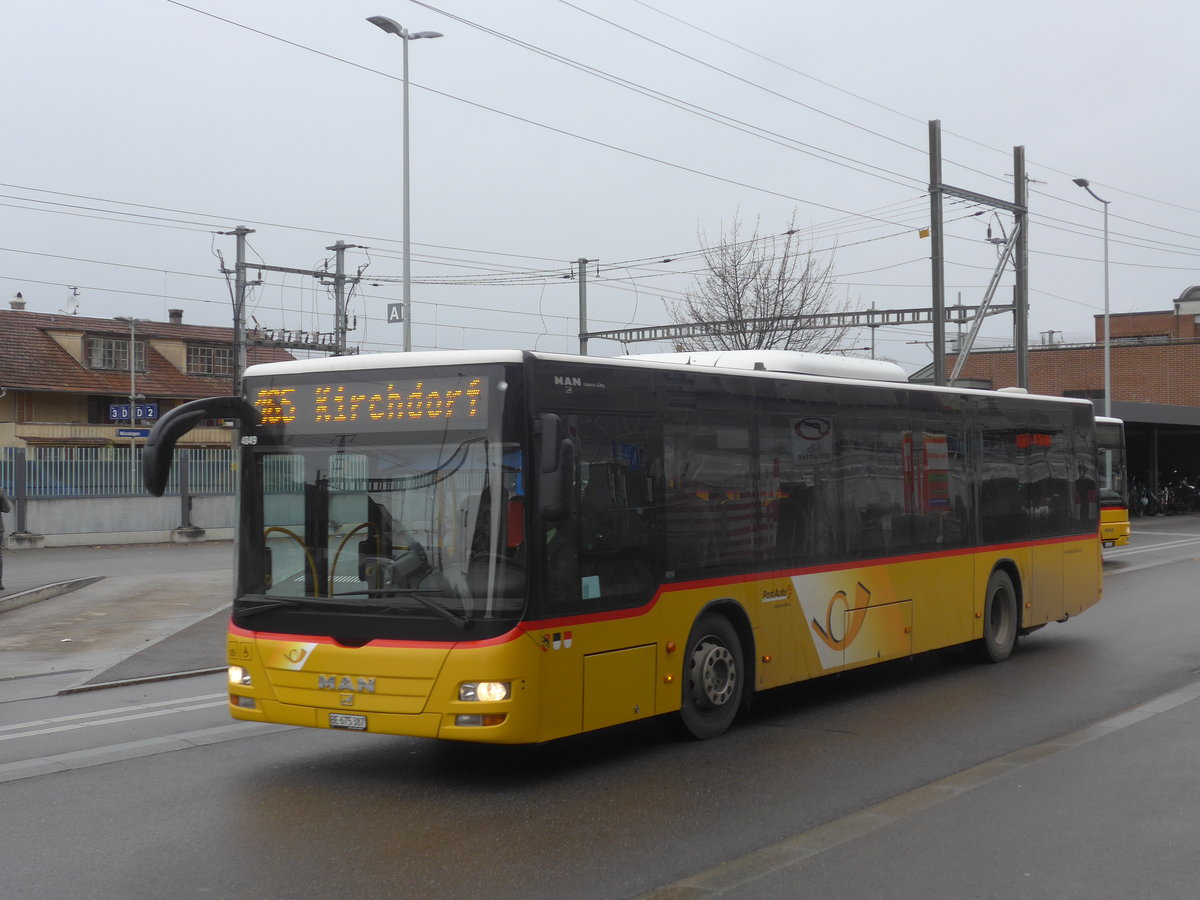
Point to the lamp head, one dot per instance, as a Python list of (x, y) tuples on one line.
[(391, 26), (1082, 182)]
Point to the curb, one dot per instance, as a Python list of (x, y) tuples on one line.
[(45, 592), (143, 679)]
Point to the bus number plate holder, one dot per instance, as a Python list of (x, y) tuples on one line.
[(343, 720)]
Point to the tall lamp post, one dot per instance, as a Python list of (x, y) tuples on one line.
[(391, 26), (1086, 185)]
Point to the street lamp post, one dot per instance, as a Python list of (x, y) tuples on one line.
[(1086, 185), (391, 26)]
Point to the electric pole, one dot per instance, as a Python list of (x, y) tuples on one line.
[(340, 327), (239, 307), (583, 341)]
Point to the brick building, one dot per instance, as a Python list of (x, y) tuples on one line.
[(1155, 361)]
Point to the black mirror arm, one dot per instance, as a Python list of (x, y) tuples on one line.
[(156, 458)]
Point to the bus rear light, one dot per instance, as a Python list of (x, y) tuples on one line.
[(476, 721), (238, 675), (484, 691), (243, 702)]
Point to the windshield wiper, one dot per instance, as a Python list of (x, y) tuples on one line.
[(414, 594), (269, 603)]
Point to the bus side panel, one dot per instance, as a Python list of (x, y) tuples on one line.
[(1045, 588), (618, 686), (779, 635), (1063, 580), (1083, 575), (944, 596)]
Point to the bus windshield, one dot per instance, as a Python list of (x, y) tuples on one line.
[(1110, 440), (410, 523)]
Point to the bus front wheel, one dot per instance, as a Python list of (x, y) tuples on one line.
[(713, 679), (1000, 619)]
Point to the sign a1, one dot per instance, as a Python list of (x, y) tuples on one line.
[(119, 412)]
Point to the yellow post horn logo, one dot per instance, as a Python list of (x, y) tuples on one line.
[(854, 625)]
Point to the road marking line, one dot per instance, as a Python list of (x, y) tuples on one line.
[(149, 714), (1129, 551), (82, 759), (108, 712)]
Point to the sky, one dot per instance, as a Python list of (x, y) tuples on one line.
[(625, 132)]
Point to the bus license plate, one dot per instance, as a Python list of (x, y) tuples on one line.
[(341, 720)]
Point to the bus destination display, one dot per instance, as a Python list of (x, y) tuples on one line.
[(383, 405)]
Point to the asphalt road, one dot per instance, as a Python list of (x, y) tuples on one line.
[(935, 777)]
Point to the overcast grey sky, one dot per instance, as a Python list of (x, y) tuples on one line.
[(137, 129)]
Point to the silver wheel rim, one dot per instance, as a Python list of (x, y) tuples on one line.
[(714, 674)]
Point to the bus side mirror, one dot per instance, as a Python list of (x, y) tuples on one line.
[(556, 469), (160, 446)]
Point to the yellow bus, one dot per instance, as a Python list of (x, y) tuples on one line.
[(1114, 483), (513, 547)]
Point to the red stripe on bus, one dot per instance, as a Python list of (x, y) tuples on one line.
[(634, 612), (546, 624), (510, 635)]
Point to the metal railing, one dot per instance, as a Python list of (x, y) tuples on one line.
[(55, 472)]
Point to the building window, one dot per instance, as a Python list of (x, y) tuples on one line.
[(209, 360), (113, 353)]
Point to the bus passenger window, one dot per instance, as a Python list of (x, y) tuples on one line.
[(599, 556)]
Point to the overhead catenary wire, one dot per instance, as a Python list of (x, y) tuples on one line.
[(289, 42), (896, 264)]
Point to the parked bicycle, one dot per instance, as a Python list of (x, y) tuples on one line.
[(1179, 495), (1142, 501)]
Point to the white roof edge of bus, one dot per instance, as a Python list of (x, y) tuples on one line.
[(793, 362), (1113, 419), (479, 357), (384, 360)]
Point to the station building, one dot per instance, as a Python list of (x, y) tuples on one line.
[(1155, 363), (65, 380)]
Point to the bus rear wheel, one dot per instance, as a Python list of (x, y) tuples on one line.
[(713, 681), (1000, 619)]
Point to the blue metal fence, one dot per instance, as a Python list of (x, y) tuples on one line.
[(108, 471)]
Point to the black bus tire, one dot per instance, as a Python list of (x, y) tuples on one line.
[(713, 678), (1001, 619)]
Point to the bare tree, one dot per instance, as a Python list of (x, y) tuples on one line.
[(756, 290)]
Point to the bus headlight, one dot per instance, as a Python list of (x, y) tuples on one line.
[(238, 675), (484, 691)]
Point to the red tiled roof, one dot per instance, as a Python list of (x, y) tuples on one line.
[(31, 360)]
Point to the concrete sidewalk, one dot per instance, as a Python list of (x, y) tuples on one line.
[(72, 616)]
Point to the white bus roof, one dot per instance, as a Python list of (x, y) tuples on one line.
[(773, 362), (385, 361), (795, 362)]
